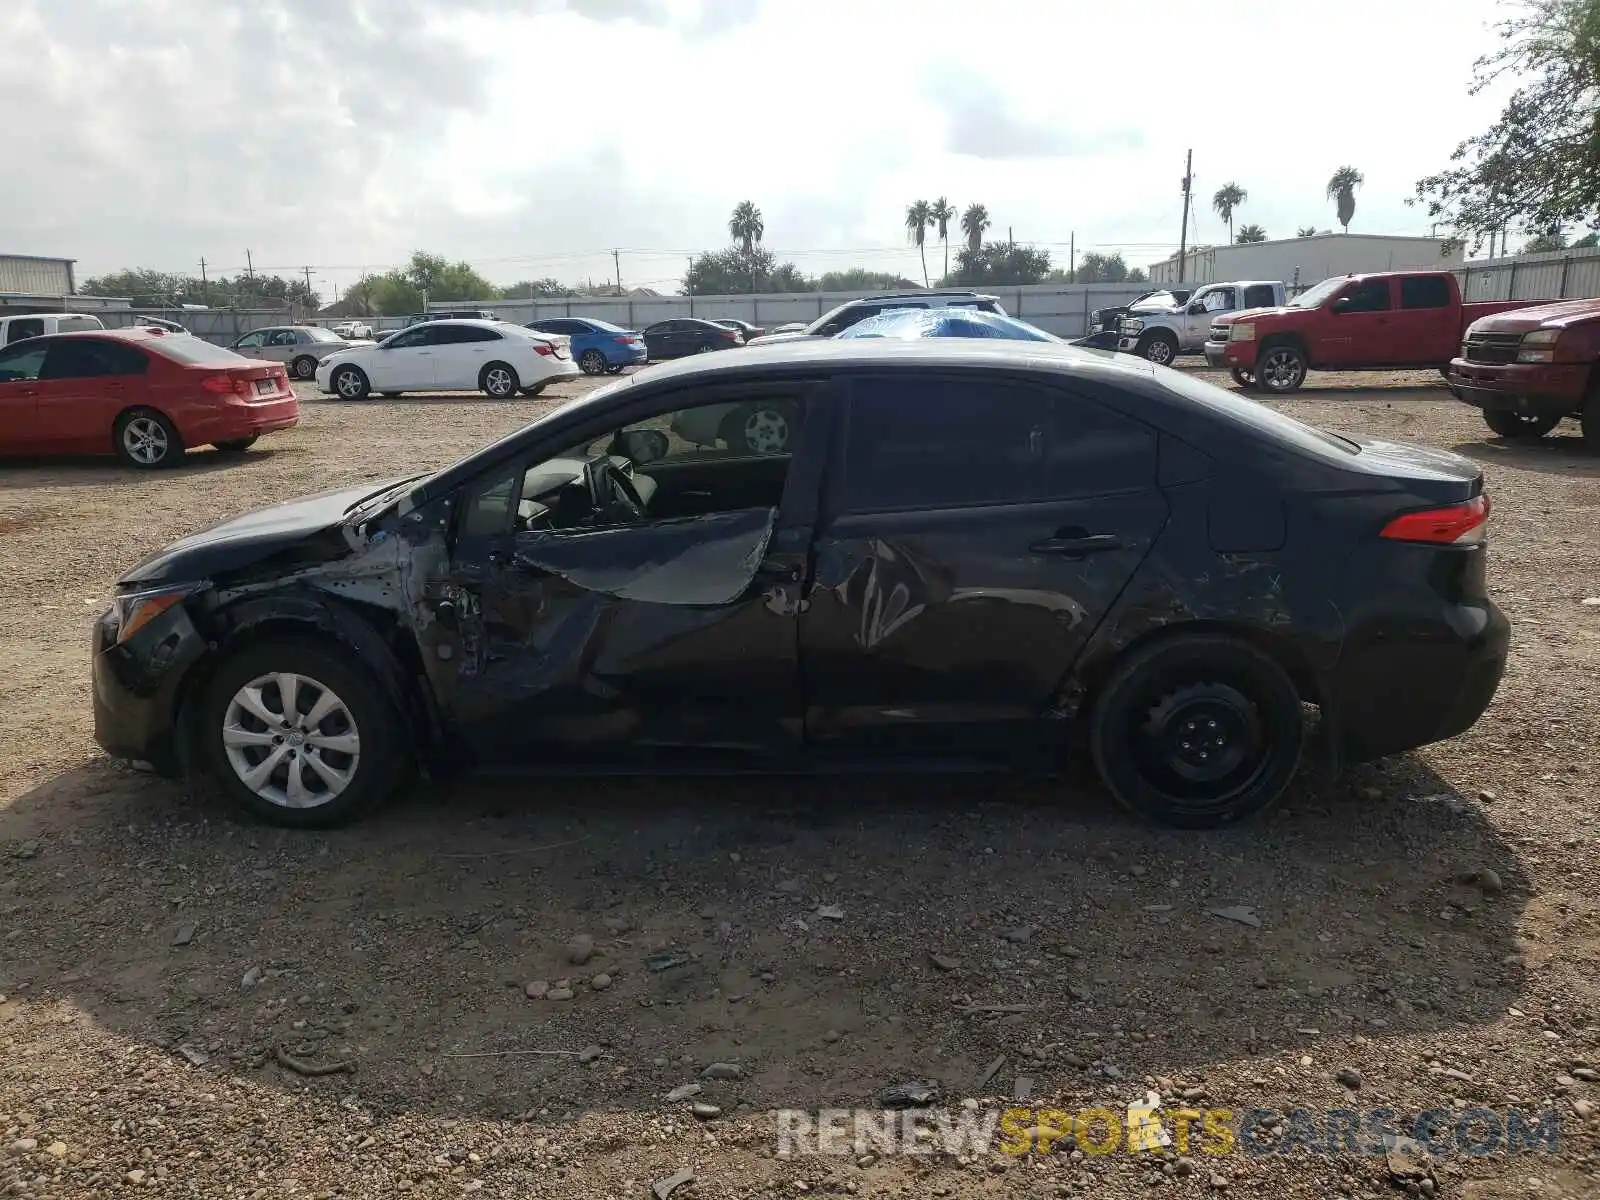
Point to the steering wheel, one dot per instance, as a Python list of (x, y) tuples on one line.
[(611, 492)]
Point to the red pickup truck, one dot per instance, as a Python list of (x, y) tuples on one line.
[(1390, 320), (1528, 369)]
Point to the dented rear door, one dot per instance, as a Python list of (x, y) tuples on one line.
[(980, 529)]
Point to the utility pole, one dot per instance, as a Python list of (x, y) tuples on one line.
[(250, 274), (616, 258), (205, 287), (1183, 233), (688, 276), (1010, 241), (1072, 257)]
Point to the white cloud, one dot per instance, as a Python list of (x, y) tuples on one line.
[(532, 136)]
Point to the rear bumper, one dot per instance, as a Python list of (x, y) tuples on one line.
[(1401, 688), (625, 356), (1533, 389), (240, 419)]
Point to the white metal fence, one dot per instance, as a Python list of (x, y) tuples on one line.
[(1551, 275)]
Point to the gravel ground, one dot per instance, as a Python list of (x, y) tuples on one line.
[(171, 975)]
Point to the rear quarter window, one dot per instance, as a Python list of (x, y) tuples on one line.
[(1424, 291), (1236, 409)]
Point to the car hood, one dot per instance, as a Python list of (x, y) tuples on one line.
[(1542, 316), (243, 541), (1250, 314), (772, 339)]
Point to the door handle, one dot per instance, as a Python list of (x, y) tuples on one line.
[(1079, 545), (27, 392)]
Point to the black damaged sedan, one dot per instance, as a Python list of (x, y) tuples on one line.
[(967, 555)]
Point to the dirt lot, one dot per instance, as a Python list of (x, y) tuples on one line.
[(166, 969)]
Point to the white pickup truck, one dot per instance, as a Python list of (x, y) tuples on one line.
[(14, 329), (1162, 336)]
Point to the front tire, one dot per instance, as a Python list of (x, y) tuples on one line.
[(1514, 425), (350, 383), (146, 439), (1281, 369), (593, 362), (304, 367), (1244, 379), (499, 381), (236, 445), (1197, 731), (1159, 348), (298, 734)]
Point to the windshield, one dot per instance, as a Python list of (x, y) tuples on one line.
[(322, 335), (816, 326), (1156, 300), (1313, 297)]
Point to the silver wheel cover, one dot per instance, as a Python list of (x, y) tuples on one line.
[(766, 431), (498, 382), (291, 740), (145, 440), (348, 384)]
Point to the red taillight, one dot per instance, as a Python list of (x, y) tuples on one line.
[(728, 335), (543, 348), (625, 338), (1457, 524), (223, 384)]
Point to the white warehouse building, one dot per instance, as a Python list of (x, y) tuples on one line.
[(1301, 262)]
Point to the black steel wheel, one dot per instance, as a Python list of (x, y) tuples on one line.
[(1197, 731), (1510, 424)]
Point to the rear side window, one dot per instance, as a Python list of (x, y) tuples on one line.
[(949, 442), (1370, 296), (1424, 291), (85, 358), (1259, 295), (455, 335)]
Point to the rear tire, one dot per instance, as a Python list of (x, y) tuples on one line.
[(350, 383), (499, 381), (146, 439), (593, 363), (1281, 369), (304, 367), (1159, 348), (1197, 731), (1591, 418), (1514, 425), (236, 445), (322, 773)]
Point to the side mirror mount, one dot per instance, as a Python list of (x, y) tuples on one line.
[(1197, 307), (1341, 305)]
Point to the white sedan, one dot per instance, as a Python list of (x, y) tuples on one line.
[(493, 357)]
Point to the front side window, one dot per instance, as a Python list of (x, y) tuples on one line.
[(1371, 295), (24, 327), (252, 341), (1220, 300), (417, 335), (23, 364), (319, 334)]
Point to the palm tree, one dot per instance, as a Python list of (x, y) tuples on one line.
[(1342, 191), (973, 222), (1251, 233), (943, 212), (918, 217), (745, 226), (1228, 198), (1306, 231)]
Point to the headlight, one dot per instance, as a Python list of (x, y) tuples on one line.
[(133, 611), (1132, 325), (1538, 346), (1241, 331)]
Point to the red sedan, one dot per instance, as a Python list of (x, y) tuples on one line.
[(143, 394)]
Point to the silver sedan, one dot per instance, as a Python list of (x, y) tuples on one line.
[(299, 346)]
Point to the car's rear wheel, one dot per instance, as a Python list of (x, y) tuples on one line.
[(1591, 417), (593, 363), (759, 429), (350, 383), (1159, 348), (236, 445), (1245, 379), (298, 734), (1281, 369), (304, 367), (1510, 424), (499, 381), (1197, 731), (146, 439)]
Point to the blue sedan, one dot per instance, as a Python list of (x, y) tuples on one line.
[(598, 346), (912, 323)]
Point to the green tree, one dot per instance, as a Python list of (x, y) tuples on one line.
[(732, 272), (919, 216), (1555, 240), (1342, 191), (746, 227), (858, 279), (147, 289), (1251, 233), (1587, 242), (942, 212), (1306, 231), (530, 289), (1137, 275), (1227, 200), (998, 264), (974, 223), (1102, 268), (1538, 164)]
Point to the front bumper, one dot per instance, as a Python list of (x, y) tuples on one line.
[(138, 685), (1395, 693), (1217, 354), (1532, 389)]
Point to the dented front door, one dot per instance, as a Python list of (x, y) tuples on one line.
[(628, 642)]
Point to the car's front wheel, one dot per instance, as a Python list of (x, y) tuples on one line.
[(1159, 348), (350, 383), (299, 734), (593, 363), (304, 367), (499, 381), (1197, 731), (1281, 369), (1516, 425)]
